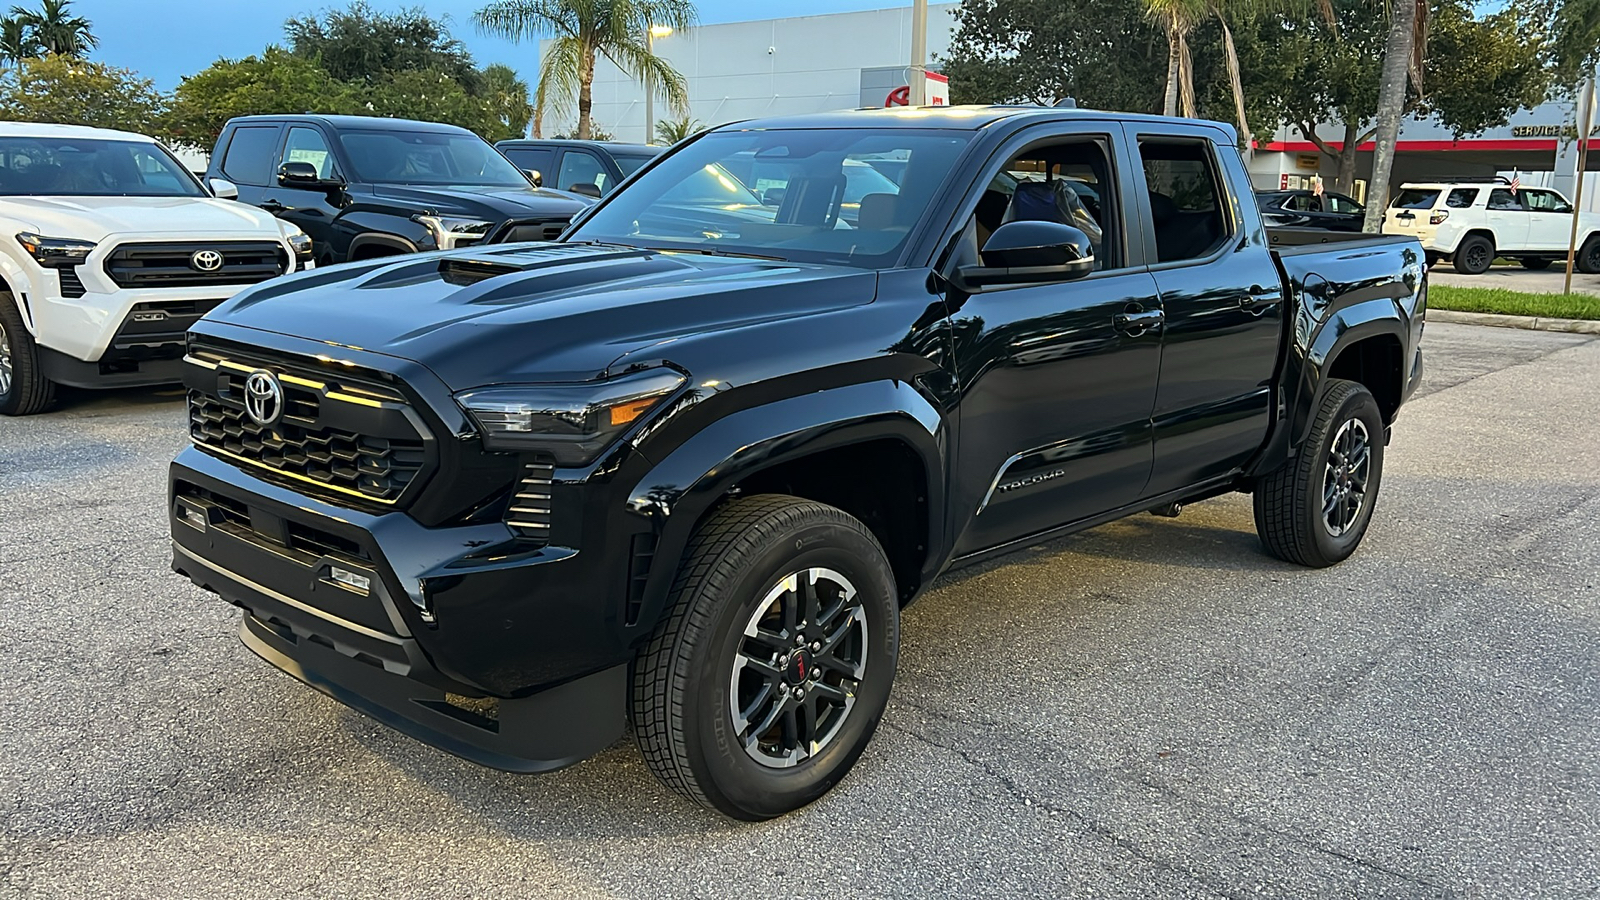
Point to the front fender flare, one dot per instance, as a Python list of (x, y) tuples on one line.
[(678, 492)]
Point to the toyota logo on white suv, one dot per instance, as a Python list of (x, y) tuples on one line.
[(205, 260)]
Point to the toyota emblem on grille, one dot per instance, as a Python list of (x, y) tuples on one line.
[(263, 397), (205, 260)]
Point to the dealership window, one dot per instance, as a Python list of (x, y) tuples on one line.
[(1185, 199)]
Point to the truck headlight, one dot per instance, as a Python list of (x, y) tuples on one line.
[(301, 244), (55, 253), (450, 232), (572, 422)]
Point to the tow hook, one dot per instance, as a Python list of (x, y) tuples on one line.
[(1170, 511)]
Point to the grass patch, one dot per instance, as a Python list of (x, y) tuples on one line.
[(1513, 303)]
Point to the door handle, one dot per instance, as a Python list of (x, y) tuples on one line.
[(1137, 323), (1260, 299), (272, 206)]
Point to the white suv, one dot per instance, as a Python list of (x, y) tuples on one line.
[(109, 249), (1471, 223)]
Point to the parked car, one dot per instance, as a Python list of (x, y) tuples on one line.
[(591, 168), (1307, 209), (512, 496), (365, 187), (1470, 223), (111, 250)]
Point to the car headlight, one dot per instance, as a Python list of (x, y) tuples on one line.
[(56, 253), (450, 232), (573, 422), (301, 243)]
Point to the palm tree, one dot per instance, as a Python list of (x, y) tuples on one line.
[(671, 131), (16, 42), (583, 30), (54, 30), (1177, 18), (1402, 64)]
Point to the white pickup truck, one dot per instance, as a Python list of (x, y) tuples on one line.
[(1470, 223), (109, 250)]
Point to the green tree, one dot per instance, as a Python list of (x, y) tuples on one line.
[(1105, 54), (16, 42), (671, 131), (507, 96), (582, 31), (360, 44), (277, 81), (73, 91), (55, 30)]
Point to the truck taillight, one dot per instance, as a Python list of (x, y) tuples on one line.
[(1438, 218)]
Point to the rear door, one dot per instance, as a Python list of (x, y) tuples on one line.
[(1223, 299), (247, 160), (1508, 219)]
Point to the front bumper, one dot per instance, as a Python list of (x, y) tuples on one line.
[(434, 648)]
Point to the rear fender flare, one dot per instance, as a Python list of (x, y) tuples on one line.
[(678, 492), (1346, 327)]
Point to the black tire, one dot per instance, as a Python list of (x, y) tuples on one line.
[(1535, 263), (687, 678), (1475, 255), (1292, 504), (23, 388), (1588, 261)]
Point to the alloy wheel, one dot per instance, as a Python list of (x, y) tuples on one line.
[(1344, 485), (5, 360), (1478, 256), (798, 667)]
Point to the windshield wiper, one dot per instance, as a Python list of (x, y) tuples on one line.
[(705, 252)]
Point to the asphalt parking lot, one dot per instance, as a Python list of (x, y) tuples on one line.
[(1152, 708)]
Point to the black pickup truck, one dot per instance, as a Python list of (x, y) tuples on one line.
[(686, 473)]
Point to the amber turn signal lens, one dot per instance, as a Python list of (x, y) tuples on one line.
[(623, 413)]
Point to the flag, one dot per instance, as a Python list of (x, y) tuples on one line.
[(1316, 184), (1516, 181)]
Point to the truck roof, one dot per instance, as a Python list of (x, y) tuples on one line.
[(49, 130), (368, 123), (966, 118)]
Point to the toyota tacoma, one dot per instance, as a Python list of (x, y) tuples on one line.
[(684, 466)]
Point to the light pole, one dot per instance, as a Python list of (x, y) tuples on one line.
[(655, 31)]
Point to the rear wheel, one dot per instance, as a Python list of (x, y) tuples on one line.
[(1315, 510), (773, 668), (23, 388), (1535, 263), (1475, 255), (1589, 256)]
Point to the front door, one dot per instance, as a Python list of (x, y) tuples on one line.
[(1549, 220), (1055, 394), (1224, 303), (314, 210)]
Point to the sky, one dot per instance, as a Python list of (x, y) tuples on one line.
[(167, 39)]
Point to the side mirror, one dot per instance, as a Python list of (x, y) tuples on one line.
[(534, 176), (304, 175), (586, 189), (1030, 253), (223, 189), (772, 197)]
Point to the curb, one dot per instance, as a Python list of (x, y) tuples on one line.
[(1529, 323)]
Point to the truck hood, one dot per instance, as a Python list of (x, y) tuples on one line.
[(487, 201), (95, 218), (538, 313)]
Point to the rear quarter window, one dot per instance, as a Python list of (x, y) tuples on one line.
[(1462, 198), (1413, 198)]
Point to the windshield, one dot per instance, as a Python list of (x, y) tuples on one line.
[(631, 164), (801, 195), (428, 157), (1413, 198), (75, 167)]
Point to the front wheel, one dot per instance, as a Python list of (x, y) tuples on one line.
[(772, 669), (24, 390), (1315, 510)]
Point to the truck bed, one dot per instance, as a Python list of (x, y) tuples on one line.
[(1290, 240)]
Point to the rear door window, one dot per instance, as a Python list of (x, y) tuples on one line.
[(532, 160), (1416, 198), (1503, 198), (1185, 206), (248, 159)]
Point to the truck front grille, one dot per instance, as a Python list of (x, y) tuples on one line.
[(144, 265), (343, 437)]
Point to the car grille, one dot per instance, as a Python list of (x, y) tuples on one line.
[(337, 435), (172, 265)]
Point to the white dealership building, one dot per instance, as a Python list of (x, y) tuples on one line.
[(744, 70)]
